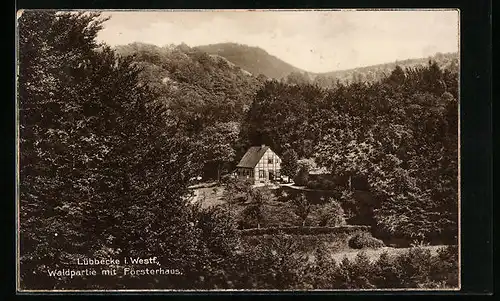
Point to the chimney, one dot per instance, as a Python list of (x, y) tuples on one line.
[(262, 146)]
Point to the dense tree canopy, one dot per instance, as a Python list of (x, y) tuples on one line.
[(104, 168), (206, 95), (109, 140), (399, 133)]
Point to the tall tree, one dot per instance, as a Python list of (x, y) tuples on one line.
[(103, 169), (302, 208), (217, 144), (254, 210), (289, 165)]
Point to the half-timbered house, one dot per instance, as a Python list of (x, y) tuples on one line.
[(259, 164)]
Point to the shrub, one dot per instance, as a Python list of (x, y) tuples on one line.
[(253, 214), (331, 185), (319, 273), (415, 267), (326, 184), (278, 262), (320, 182), (217, 228), (331, 214), (283, 195), (302, 177), (290, 166), (365, 240), (279, 194), (302, 208), (386, 273), (271, 265), (237, 190), (313, 184), (362, 271), (445, 266)]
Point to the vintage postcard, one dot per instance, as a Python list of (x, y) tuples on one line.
[(238, 150)]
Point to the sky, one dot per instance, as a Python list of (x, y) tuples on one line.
[(314, 40)]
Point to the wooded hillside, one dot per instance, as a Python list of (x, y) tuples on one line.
[(258, 62), (109, 140), (253, 59)]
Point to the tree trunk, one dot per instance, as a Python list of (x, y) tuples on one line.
[(350, 183)]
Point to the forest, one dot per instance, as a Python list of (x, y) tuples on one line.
[(111, 138)]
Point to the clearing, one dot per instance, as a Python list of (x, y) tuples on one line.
[(374, 254)]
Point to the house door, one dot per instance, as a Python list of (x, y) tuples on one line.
[(271, 175)]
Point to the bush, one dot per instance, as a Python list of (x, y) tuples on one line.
[(412, 269), (218, 229), (302, 208), (444, 267), (415, 267), (279, 262), (313, 184), (331, 214), (386, 273), (302, 177), (320, 182), (365, 240), (275, 264), (325, 183)]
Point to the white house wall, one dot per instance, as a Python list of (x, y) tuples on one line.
[(264, 165)]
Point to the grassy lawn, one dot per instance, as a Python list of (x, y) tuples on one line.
[(374, 254), (211, 196), (305, 243), (281, 214), (276, 213)]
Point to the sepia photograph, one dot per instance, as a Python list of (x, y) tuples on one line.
[(238, 150)]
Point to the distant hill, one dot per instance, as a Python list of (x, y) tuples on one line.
[(253, 59), (257, 61), (448, 61), (193, 81), (233, 72)]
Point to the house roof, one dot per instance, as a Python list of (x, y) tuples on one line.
[(252, 156)]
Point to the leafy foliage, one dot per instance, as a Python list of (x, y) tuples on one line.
[(254, 210), (399, 135), (331, 214), (217, 147), (289, 164), (109, 141), (276, 263), (99, 154), (302, 176), (302, 208), (365, 240), (205, 95)]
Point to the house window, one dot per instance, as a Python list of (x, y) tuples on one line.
[(270, 161), (261, 174)]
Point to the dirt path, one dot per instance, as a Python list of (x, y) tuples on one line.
[(303, 188)]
